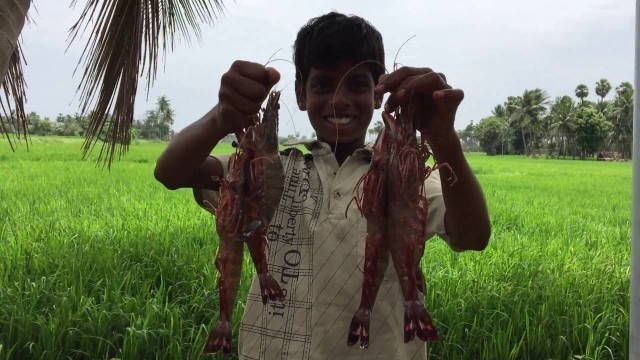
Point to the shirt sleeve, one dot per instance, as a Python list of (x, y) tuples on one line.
[(436, 209), (207, 198)]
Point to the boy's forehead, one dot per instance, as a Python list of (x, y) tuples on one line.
[(341, 68)]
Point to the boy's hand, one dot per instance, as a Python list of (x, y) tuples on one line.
[(432, 100), (242, 90)]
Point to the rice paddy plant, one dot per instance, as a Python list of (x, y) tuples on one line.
[(98, 264)]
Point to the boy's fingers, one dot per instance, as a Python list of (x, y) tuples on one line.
[(244, 86), (420, 85), (449, 98), (390, 83), (256, 72), (239, 102), (273, 76)]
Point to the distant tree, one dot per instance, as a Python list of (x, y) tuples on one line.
[(158, 122), (563, 122), (582, 91), (624, 89), (602, 88), (165, 119), (67, 125), (603, 107), (378, 126), (39, 126), (592, 129), (500, 111), (492, 133), (33, 123), (150, 125), (621, 117), (83, 122), (467, 136), (527, 111)]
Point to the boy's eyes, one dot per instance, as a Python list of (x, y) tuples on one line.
[(359, 85), (356, 85), (320, 86)]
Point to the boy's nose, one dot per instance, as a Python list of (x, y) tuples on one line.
[(339, 100)]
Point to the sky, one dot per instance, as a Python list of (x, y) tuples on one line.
[(489, 49)]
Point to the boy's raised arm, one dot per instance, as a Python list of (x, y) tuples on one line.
[(435, 104), (466, 218), (186, 161)]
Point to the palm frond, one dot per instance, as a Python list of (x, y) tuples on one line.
[(126, 40), (14, 14), (12, 90)]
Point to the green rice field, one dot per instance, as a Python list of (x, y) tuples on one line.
[(98, 264)]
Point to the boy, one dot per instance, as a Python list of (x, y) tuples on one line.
[(316, 240)]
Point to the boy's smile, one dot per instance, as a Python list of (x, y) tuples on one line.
[(340, 107)]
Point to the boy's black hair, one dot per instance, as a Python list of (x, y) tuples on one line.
[(333, 37)]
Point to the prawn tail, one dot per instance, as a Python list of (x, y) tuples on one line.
[(219, 339), (270, 288), (359, 328), (417, 321)]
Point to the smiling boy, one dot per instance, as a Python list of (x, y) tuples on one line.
[(316, 239)]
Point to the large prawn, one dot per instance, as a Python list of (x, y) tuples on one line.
[(407, 219), (395, 206), (249, 196)]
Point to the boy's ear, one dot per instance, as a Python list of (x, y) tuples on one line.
[(377, 100), (301, 97)]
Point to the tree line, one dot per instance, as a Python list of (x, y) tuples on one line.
[(156, 124), (532, 124)]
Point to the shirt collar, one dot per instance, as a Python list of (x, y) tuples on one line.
[(320, 148)]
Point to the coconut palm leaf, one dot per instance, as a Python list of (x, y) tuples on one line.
[(12, 90), (125, 42), (13, 15)]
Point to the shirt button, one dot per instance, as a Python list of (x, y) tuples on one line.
[(336, 195)]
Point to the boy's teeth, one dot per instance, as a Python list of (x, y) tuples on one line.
[(340, 120)]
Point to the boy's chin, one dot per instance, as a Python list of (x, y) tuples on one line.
[(346, 140)]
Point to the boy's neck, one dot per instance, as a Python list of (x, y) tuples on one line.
[(343, 150)]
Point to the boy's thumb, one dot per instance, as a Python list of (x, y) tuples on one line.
[(449, 98), (273, 76)]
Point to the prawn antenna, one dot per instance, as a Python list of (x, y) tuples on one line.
[(398, 52), (272, 55), (293, 123), (298, 72)]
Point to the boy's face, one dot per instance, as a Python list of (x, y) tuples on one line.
[(340, 107)]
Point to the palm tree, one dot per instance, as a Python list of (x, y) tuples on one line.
[(116, 54), (582, 91), (500, 111), (563, 121), (528, 111), (602, 88), (622, 119), (166, 117)]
